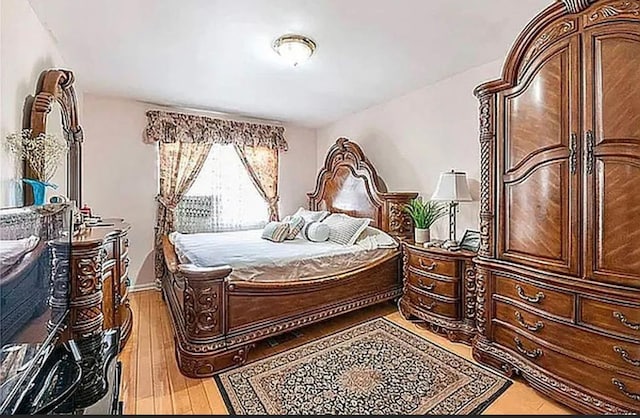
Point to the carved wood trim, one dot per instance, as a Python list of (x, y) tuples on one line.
[(547, 37), (481, 299), (487, 152), (201, 301), (614, 9), (470, 294)]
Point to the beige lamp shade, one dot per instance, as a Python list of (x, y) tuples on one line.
[(452, 187)]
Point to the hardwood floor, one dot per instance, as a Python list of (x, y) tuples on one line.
[(152, 383)]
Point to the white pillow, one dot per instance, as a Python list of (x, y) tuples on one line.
[(11, 251), (316, 231), (312, 215), (374, 238), (345, 229)]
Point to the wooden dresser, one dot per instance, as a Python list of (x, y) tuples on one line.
[(99, 280), (558, 272), (439, 289)]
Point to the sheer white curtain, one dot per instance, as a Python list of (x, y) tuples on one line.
[(223, 197)]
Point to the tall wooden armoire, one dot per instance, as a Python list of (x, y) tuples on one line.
[(558, 279)]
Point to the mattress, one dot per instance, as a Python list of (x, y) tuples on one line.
[(255, 259)]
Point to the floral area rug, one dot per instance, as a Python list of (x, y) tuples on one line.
[(373, 368)]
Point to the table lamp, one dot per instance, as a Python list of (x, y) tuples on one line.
[(453, 188)]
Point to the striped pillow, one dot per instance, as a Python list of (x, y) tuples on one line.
[(345, 229), (276, 231), (295, 225)]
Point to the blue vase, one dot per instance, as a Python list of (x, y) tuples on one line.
[(38, 188)]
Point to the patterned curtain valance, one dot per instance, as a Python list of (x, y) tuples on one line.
[(179, 127)]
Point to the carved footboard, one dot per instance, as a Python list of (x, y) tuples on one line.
[(217, 320)]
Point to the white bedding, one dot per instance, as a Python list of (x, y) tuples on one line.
[(253, 258)]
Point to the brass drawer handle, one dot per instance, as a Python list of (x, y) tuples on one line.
[(127, 282), (625, 356), (623, 388), (425, 286), (126, 242), (427, 267), (425, 306), (531, 354), (573, 156), (533, 328), (590, 147), (126, 262), (625, 321), (533, 299)]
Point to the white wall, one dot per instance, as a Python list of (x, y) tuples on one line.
[(411, 139), (26, 49), (120, 172)]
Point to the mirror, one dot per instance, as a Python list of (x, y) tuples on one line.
[(58, 181), (54, 121)]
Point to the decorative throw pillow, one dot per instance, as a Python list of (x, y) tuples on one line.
[(312, 215), (345, 229), (316, 231), (296, 223), (276, 231)]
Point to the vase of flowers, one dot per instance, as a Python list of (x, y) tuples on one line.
[(44, 154), (424, 214)]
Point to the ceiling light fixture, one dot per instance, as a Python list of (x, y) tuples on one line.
[(295, 49)]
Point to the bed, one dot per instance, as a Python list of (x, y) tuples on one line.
[(219, 313)]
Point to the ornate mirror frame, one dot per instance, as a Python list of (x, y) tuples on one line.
[(56, 85)]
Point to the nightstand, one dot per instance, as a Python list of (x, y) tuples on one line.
[(440, 290)]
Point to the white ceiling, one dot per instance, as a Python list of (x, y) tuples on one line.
[(216, 54)]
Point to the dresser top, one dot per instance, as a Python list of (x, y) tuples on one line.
[(91, 235), (440, 251)]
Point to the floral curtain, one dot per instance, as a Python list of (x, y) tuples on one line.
[(262, 165), (180, 163)]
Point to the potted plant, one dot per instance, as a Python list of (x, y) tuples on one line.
[(424, 214)]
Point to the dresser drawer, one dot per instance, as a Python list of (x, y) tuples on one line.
[(448, 288), (623, 389), (538, 296), (623, 355), (434, 265), (430, 304), (616, 317)]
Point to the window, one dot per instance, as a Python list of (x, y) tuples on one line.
[(222, 198)]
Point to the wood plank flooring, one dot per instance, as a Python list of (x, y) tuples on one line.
[(152, 383)]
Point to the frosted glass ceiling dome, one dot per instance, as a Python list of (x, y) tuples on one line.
[(294, 49)]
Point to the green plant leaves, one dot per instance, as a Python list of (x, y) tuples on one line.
[(424, 214)]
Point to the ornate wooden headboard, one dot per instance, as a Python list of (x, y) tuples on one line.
[(348, 183)]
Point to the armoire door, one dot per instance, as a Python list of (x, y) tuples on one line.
[(612, 153), (539, 192)]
